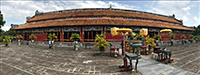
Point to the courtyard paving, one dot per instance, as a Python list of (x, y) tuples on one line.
[(39, 60)]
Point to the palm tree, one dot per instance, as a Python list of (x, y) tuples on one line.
[(6, 41), (102, 44), (75, 37), (149, 42)]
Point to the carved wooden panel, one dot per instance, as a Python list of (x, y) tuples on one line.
[(55, 29), (153, 30), (135, 28), (19, 31), (70, 29), (37, 31), (92, 28), (26, 31), (177, 31)]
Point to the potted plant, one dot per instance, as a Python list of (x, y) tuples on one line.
[(149, 42), (102, 44), (172, 36), (191, 40), (19, 39), (51, 39), (138, 36), (99, 36), (196, 38), (157, 37), (75, 38), (32, 37), (6, 41), (183, 39)]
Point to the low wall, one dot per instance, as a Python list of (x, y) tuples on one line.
[(90, 44)]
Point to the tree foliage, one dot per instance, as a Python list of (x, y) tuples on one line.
[(51, 36), (1, 20), (197, 31), (32, 36)]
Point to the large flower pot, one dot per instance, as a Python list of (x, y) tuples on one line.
[(183, 41), (102, 50), (172, 42), (6, 44), (157, 42)]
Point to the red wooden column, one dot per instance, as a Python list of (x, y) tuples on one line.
[(88, 36), (92, 35), (82, 34), (67, 36), (16, 37), (62, 35)]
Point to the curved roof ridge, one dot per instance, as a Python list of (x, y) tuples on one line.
[(109, 9)]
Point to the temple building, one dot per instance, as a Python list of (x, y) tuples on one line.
[(91, 21)]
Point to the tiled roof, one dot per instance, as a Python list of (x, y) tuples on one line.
[(100, 13), (101, 22)]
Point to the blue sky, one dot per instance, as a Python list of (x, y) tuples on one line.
[(15, 12)]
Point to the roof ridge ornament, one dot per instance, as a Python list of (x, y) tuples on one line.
[(110, 6)]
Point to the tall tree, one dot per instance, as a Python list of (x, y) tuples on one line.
[(1, 20), (197, 30)]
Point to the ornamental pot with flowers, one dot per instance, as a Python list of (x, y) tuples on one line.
[(157, 37), (6, 41), (196, 38), (149, 42), (172, 36), (51, 39), (19, 39), (75, 38), (191, 38), (32, 37), (183, 39), (102, 44)]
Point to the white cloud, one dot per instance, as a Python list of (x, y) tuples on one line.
[(185, 19), (195, 19), (6, 28), (186, 8)]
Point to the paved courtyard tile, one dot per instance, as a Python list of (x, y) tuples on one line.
[(39, 60)]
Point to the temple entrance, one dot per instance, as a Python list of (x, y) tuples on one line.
[(89, 36)]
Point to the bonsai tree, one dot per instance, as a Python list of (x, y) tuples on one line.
[(157, 37), (138, 36), (102, 44), (52, 36), (183, 39), (191, 36), (51, 39), (172, 36), (75, 37), (196, 38), (6, 41), (149, 42), (19, 39), (32, 37)]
